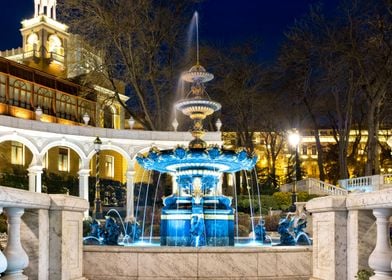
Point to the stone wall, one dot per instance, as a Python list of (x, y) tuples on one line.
[(120, 263)]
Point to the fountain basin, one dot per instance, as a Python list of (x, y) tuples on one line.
[(119, 263)]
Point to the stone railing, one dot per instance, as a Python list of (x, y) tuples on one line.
[(368, 183), (314, 186), (44, 235), (11, 52), (351, 233)]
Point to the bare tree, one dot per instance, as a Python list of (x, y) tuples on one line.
[(139, 43)]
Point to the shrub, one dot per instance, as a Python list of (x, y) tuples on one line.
[(243, 231), (283, 200), (364, 274), (244, 220), (3, 223), (271, 222)]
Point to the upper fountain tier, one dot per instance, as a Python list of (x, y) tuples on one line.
[(197, 104), (197, 74)]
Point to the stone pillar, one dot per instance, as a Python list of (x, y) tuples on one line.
[(3, 260), (66, 237), (130, 195), (16, 256), (35, 181), (83, 185), (361, 239), (35, 239), (380, 259), (31, 182), (329, 237)]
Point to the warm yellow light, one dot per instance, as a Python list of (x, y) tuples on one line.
[(294, 138), (32, 39)]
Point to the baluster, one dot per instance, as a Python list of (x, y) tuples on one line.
[(3, 260), (380, 258), (14, 252)]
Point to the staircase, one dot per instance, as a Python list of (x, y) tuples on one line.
[(314, 186)]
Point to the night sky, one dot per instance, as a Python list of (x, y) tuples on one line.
[(221, 21)]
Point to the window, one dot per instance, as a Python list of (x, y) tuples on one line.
[(109, 166), (314, 151), (304, 149), (17, 153), (63, 161)]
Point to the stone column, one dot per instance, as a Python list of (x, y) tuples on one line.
[(3, 260), (130, 195), (83, 185), (31, 181), (329, 237), (14, 252), (35, 175), (380, 259), (361, 239), (34, 235)]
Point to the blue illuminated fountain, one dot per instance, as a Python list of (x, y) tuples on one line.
[(197, 213)]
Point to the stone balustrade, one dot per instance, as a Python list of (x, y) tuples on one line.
[(314, 186), (351, 233), (44, 235), (367, 183)]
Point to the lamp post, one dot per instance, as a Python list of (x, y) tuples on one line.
[(294, 139), (97, 212)]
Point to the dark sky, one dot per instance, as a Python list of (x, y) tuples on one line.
[(221, 21)]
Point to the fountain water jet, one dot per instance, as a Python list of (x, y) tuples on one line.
[(198, 213)]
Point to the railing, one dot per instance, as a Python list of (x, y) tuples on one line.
[(11, 52), (346, 229), (314, 186), (367, 183), (319, 187), (49, 227)]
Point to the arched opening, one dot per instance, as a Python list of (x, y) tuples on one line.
[(54, 44), (15, 158), (60, 171), (111, 169)]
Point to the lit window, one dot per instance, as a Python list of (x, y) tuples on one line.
[(17, 153), (109, 166), (54, 43), (304, 149), (32, 39), (63, 162)]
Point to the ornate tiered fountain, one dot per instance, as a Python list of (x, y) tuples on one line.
[(197, 213)]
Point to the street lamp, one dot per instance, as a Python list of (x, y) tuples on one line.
[(97, 212), (294, 139)]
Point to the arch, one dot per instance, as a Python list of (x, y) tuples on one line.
[(110, 147), (54, 43), (19, 94), (23, 140), (142, 150), (32, 39), (64, 143)]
